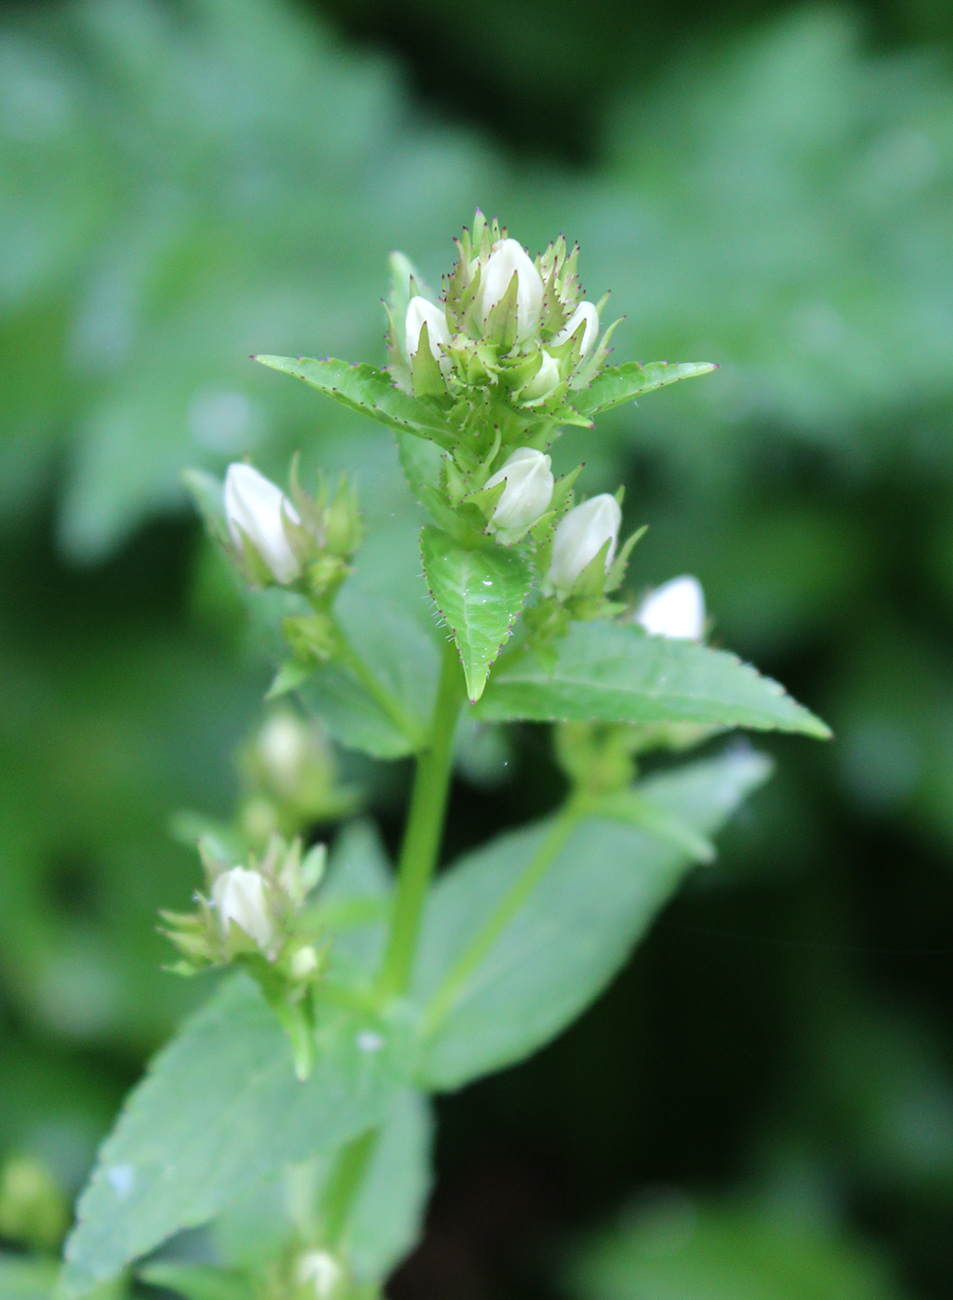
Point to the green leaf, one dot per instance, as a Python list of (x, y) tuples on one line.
[(402, 658), (385, 1222), (609, 672), (388, 1215), (728, 1251), (573, 931), (620, 384), (480, 593), (370, 391), (219, 1111)]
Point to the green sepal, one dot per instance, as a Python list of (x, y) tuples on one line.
[(502, 320), (619, 565), (289, 677), (426, 375)]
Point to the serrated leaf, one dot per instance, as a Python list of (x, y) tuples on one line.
[(403, 659), (370, 391), (480, 593), (573, 931), (609, 672), (219, 1111), (619, 384)]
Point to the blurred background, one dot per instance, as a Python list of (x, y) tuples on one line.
[(762, 1105)]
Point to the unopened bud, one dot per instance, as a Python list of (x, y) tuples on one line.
[(676, 610), (419, 313), (586, 311), (239, 897), (255, 509), (580, 537), (544, 381), (528, 492), (320, 1272), (305, 962), (507, 259)]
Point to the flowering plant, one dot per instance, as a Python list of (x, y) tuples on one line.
[(297, 1098)]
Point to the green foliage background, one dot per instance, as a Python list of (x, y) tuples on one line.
[(183, 183)]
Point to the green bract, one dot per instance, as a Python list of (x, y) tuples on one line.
[(374, 987)]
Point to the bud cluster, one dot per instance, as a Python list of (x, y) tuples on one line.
[(305, 542), (250, 913), (509, 324), (290, 779)]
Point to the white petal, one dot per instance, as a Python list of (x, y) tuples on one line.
[(254, 505), (676, 610)]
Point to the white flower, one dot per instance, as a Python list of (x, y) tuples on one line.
[(676, 609), (507, 259), (580, 537), (586, 311), (255, 506), (239, 897), (528, 492), (545, 379), (419, 312)]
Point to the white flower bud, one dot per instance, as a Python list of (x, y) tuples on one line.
[(419, 312), (305, 962), (586, 311), (239, 896), (507, 259), (320, 1271), (545, 379), (284, 747), (676, 609), (528, 492), (254, 505), (580, 537)]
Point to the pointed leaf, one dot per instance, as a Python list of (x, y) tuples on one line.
[(621, 384), (609, 672), (480, 593), (220, 1110), (371, 391), (573, 931)]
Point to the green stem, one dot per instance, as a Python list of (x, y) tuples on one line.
[(428, 806), (562, 826), (346, 1181), (395, 711)]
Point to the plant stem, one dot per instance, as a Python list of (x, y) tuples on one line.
[(428, 806), (562, 826), (347, 1178)]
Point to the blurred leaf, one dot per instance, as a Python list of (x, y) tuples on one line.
[(220, 1110), (681, 1250), (401, 656), (572, 933), (25, 1278)]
